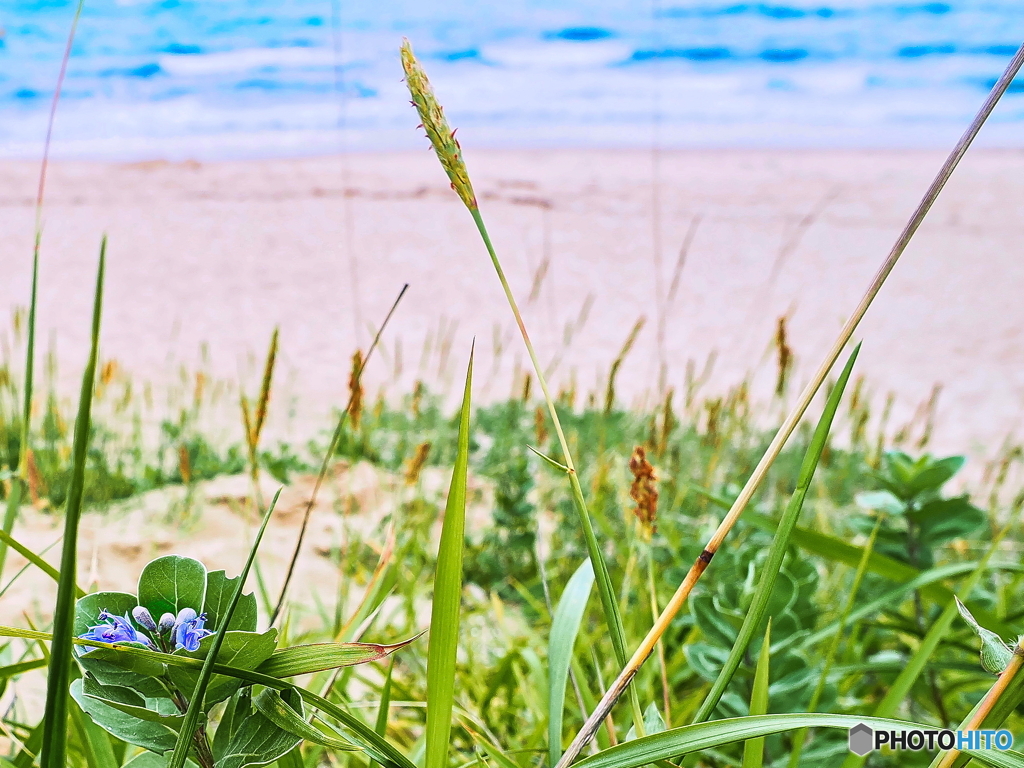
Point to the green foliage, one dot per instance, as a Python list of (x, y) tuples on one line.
[(915, 517)]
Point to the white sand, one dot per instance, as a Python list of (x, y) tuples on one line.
[(222, 252)]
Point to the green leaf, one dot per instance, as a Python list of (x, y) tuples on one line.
[(219, 589), (653, 722), (149, 735), (151, 760), (53, 753), (258, 741), (444, 613), (757, 612), (947, 519), (130, 703), (753, 749), (376, 747), (171, 583), (995, 654), (935, 474), (195, 701), (271, 705), (318, 657), (699, 737), (880, 501), (565, 626), (243, 650)]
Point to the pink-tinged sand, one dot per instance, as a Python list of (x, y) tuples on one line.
[(222, 252)]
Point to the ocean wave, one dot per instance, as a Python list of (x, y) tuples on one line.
[(153, 71)]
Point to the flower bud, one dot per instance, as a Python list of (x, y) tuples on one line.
[(143, 618), (166, 622)]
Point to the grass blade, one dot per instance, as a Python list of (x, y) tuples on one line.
[(383, 709), (565, 626), (833, 649), (55, 721), (753, 749), (791, 422), (195, 705), (718, 733), (444, 613), (769, 574)]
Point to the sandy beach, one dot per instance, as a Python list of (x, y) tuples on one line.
[(220, 253)]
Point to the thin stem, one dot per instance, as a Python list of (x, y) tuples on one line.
[(789, 425), (331, 448), (603, 577)]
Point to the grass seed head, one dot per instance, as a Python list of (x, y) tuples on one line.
[(355, 389), (432, 118), (644, 490)]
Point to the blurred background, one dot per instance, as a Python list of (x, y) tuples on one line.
[(182, 78), (711, 171)]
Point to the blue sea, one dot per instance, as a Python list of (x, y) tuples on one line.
[(253, 78)]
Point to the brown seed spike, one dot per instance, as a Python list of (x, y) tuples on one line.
[(644, 490)]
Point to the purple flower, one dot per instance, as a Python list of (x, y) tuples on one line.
[(189, 630), (115, 629)]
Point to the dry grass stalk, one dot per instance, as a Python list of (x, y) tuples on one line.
[(355, 390), (609, 397), (416, 463), (785, 356)]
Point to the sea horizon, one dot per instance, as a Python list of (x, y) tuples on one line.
[(176, 79)]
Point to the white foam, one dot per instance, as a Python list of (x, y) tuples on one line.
[(245, 60)]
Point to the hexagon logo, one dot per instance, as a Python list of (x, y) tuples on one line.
[(862, 739)]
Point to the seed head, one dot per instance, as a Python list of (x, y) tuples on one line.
[(644, 490), (441, 136)]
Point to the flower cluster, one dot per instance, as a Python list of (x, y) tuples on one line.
[(172, 633)]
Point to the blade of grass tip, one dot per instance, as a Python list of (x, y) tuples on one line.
[(190, 724), (830, 655), (789, 425), (780, 545), (54, 747), (916, 664), (565, 626), (753, 749), (444, 613), (322, 474), (448, 151)]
